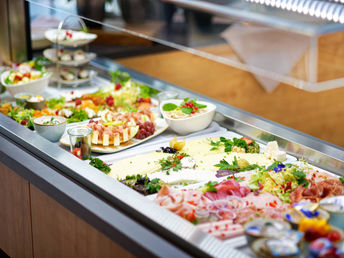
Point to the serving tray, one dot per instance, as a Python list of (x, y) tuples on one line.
[(161, 126)]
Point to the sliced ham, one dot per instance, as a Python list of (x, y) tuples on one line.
[(182, 203), (262, 200), (317, 190), (245, 214), (228, 187), (222, 229)]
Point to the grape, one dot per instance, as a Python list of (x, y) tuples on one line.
[(168, 150), (146, 129)]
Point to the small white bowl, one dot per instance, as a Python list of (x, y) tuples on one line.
[(190, 124), (34, 87), (51, 132)]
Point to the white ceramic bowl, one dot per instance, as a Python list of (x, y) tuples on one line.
[(51, 132), (34, 87), (190, 124)]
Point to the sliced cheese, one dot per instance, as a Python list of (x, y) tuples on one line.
[(140, 164), (201, 147)]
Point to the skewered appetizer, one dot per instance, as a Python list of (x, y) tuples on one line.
[(115, 128)]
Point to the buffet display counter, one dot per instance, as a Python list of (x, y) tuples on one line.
[(55, 204), (68, 207)]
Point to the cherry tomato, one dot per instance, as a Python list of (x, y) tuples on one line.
[(333, 236), (118, 86), (77, 102)]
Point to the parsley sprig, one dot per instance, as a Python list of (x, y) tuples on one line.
[(300, 177), (99, 164), (143, 184), (230, 143), (341, 179), (172, 162), (224, 165), (210, 186), (119, 77)]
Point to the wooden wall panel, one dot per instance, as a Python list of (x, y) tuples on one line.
[(15, 218), (57, 232)]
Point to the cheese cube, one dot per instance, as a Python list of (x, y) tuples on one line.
[(105, 140), (95, 135)]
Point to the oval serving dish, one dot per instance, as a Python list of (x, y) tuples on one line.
[(194, 122)]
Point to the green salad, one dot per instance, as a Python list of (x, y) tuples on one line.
[(280, 180)]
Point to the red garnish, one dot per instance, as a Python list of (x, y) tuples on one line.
[(109, 101), (57, 112), (78, 102), (247, 140), (333, 236), (180, 156), (147, 100), (272, 204), (18, 77), (77, 152), (28, 75), (118, 86), (23, 122), (140, 100)]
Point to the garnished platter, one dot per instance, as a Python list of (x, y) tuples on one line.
[(69, 58), (160, 127), (70, 38)]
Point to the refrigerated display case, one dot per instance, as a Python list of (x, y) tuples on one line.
[(67, 207)]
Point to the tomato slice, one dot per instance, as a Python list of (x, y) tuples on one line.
[(247, 140), (77, 152)]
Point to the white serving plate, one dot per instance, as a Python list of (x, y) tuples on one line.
[(92, 75), (190, 124), (79, 38), (161, 126), (34, 87), (50, 53)]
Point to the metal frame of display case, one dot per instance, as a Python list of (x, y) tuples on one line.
[(112, 207)]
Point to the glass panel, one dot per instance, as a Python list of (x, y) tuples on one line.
[(274, 44)]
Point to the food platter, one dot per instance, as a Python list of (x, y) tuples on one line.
[(50, 53), (76, 38), (161, 126), (197, 192)]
